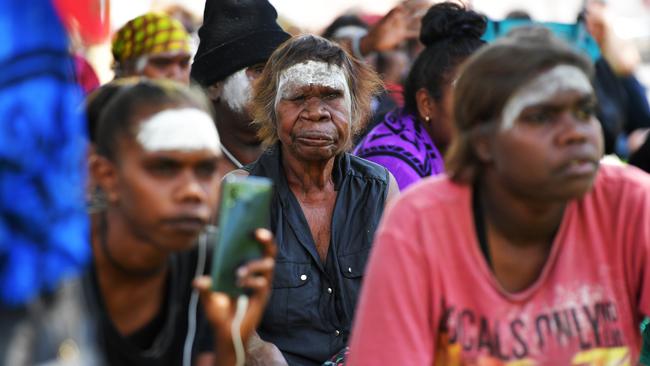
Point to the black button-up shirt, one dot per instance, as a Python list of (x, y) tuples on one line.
[(310, 312)]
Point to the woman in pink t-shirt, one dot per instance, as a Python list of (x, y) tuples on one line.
[(529, 252)]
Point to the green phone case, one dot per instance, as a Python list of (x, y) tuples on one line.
[(245, 206)]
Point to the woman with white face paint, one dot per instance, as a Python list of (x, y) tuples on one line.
[(157, 151), (311, 97), (529, 252)]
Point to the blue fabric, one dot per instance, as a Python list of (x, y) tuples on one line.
[(43, 225), (575, 34)]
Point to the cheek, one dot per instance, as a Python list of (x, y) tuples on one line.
[(140, 193), (212, 187), (522, 153), (596, 136), (341, 116), (153, 72), (286, 116)]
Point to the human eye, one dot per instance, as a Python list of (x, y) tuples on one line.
[(585, 112), (160, 62), (206, 169), (333, 95), (164, 168), (538, 116), (296, 98)]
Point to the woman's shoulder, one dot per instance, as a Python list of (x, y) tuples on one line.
[(367, 169)]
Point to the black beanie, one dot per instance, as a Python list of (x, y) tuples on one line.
[(235, 34)]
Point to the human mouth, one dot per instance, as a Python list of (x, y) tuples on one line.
[(581, 167), (186, 224), (316, 140)]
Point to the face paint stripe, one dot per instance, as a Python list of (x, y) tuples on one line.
[(313, 73), (186, 129), (237, 91), (543, 87)]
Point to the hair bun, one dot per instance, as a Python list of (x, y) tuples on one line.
[(451, 21)]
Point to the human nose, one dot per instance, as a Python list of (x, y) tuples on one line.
[(315, 109), (190, 189), (573, 129), (179, 73)]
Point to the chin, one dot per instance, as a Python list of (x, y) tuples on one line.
[(315, 154), (576, 189)]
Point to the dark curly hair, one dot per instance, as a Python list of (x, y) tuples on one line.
[(450, 33)]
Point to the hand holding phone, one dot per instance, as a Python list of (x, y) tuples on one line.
[(244, 207)]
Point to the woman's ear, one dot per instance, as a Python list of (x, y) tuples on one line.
[(104, 174), (482, 145), (427, 107)]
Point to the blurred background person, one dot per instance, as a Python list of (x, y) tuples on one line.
[(624, 111), (43, 224), (410, 142), (236, 39), (153, 45)]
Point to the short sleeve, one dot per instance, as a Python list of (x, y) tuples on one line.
[(393, 323)]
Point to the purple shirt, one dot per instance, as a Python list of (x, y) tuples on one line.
[(401, 145)]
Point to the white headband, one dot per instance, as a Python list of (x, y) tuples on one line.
[(314, 73), (558, 79), (186, 129)]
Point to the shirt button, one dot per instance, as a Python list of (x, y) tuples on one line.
[(303, 277), (350, 269), (337, 333), (329, 290)]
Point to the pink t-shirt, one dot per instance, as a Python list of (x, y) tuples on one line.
[(429, 296)]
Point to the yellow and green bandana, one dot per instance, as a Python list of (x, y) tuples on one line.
[(150, 34)]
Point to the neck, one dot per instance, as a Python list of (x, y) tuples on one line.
[(244, 152), (521, 220), (428, 127), (120, 254), (307, 176)]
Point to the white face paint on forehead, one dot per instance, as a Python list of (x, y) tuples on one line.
[(542, 88), (187, 129), (313, 73), (237, 91)]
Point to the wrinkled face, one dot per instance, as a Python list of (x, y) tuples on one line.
[(313, 108), (173, 65), (167, 184), (549, 143)]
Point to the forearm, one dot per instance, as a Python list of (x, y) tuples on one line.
[(261, 353)]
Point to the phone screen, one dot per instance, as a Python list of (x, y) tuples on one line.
[(244, 207)]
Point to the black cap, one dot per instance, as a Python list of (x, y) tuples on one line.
[(235, 34)]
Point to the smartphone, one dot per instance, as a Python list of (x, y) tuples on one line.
[(244, 207)]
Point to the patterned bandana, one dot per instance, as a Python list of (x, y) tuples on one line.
[(150, 34)]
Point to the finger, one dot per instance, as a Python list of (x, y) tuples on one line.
[(203, 284), (258, 285), (216, 305), (265, 237), (256, 268)]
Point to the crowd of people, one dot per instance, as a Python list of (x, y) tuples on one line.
[(438, 200)]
